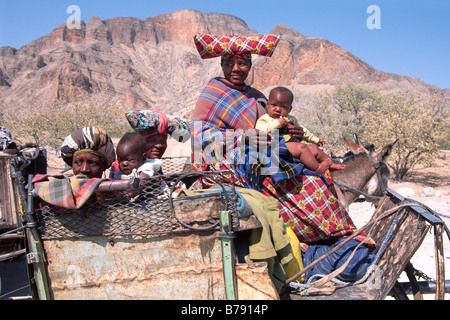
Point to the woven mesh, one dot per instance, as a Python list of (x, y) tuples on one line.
[(146, 211)]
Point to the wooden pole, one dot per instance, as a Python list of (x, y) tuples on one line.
[(440, 271)]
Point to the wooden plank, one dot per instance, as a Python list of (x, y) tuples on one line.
[(408, 230), (440, 270), (398, 236), (8, 217)]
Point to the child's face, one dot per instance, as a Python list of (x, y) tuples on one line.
[(129, 158), (279, 104)]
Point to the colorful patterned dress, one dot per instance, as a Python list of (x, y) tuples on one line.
[(223, 112)]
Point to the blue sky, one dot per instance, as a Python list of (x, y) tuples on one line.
[(414, 38)]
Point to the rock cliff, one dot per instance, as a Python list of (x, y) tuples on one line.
[(154, 63)]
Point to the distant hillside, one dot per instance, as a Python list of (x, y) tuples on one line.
[(153, 63)]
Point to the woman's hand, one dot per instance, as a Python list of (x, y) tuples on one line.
[(295, 131), (321, 143)]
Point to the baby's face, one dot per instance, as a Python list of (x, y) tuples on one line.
[(129, 158), (279, 104)]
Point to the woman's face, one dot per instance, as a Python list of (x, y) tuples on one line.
[(236, 70), (156, 145), (88, 164)]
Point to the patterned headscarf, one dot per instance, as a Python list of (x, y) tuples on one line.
[(210, 46), (93, 140), (5, 138), (156, 122)]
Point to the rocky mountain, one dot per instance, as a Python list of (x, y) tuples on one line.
[(154, 63)]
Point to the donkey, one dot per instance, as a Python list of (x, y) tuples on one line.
[(365, 173)]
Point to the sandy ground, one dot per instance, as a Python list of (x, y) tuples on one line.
[(437, 178)]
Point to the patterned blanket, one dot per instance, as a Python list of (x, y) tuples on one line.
[(69, 192), (305, 200), (226, 115)]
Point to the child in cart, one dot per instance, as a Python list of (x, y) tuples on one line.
[(132, 159)]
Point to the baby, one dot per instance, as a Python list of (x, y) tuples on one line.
[(131, 155), (277, 117)]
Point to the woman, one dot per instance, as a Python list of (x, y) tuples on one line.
[(156, 127), (305, 202), (89, 151)]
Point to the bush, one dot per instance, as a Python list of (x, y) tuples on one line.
[(419, 122), (48, 124)]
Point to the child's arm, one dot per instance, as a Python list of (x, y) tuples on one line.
[(146, 174), (308, 136), (268, 124)]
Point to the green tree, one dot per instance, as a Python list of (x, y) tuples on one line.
[(343, 112), (419, 122)]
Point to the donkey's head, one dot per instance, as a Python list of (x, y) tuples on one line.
[(366, 171), (379, 155)]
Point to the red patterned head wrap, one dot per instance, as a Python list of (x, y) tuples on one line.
[(210, 46)]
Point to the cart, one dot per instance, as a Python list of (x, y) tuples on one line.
[(138, 240)]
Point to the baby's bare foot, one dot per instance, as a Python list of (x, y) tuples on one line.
[(324, 165), (337, 166)]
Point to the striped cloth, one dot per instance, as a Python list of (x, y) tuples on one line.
[(217, 136), (69, 192), (305, 200), (93, 140)]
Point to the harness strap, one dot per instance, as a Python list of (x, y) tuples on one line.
[(369, 226), (346, 187), (377, 166), (383, 188)]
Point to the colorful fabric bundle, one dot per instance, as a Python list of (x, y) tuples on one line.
[(148, 121), (354, 271), (211, 46), (93, 140), (64, 191), (156, 122), (5, 138)]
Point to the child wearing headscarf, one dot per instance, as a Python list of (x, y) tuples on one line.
[(155, 126)]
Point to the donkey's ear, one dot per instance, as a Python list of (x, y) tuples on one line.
[(355, 148), (385, 152), (332, 155), (355, 139)]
